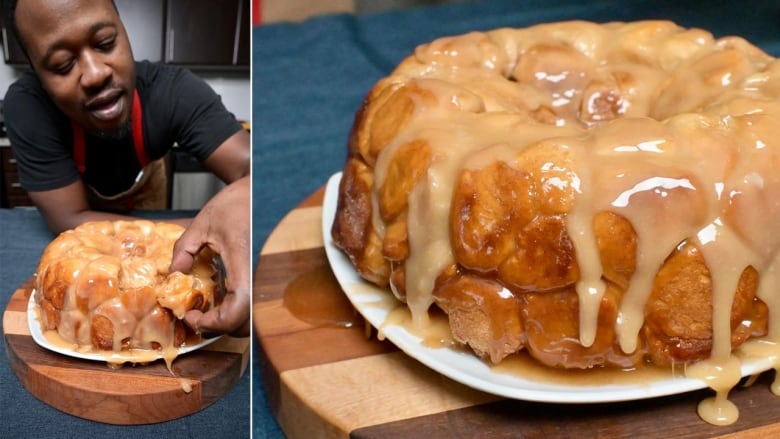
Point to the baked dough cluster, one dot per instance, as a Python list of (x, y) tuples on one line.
[(596, 195), (105, 286)]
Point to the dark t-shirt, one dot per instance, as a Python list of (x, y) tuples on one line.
[(178, 107)]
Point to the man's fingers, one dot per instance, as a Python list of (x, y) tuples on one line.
[(182, 261), (222, 225), (232, 317), (185, 249)]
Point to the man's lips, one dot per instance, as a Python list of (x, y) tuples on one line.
[(107, 105)]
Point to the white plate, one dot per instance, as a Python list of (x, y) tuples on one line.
[(374, 304), (123, 357)]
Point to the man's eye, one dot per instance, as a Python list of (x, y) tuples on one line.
[(106, 44), (63, 68)]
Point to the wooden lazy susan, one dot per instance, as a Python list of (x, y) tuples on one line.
[(142, 394)]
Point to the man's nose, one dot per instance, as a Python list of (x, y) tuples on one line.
[(94, 72)]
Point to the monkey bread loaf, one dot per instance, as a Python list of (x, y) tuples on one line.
[(596, 195), (105, 286)]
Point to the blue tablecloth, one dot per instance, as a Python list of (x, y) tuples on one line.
[(23, 236), (309, 78)]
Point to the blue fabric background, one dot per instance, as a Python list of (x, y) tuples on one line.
[(310, 78)]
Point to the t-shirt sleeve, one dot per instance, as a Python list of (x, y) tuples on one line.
[(38, 140), (203, 123)]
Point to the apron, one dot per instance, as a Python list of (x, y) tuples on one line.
[(150, 189)]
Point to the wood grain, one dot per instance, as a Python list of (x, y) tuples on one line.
[(129, 395), (331, 382)]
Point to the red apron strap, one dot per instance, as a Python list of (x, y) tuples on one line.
[(138, 130), (80, 147)]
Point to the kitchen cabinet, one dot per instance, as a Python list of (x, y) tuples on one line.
[(14, 195), (143, 20), (207, 33), (244, 34), (12, 51)]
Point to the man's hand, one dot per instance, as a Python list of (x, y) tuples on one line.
[(223, 225)]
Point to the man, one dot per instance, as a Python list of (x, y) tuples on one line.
[(90, 127)]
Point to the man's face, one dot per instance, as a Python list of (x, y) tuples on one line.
[(80, 51)]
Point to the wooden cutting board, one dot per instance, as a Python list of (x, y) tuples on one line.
[(325, 377), (128, 395)]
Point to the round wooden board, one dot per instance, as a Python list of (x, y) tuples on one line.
[(329, 381), (128, 395)]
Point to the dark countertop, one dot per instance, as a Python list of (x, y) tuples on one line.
[(309, 78), (23, 236)]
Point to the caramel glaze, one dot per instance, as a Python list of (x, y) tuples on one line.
[(625, 163), (105, 287), (316, 298)]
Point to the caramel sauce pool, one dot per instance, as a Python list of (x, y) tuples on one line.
[(522, 365), (436, 334), (716, 410), (116, 359), (316, 298)]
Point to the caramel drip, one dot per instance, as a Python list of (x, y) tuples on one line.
[(669, 128)]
